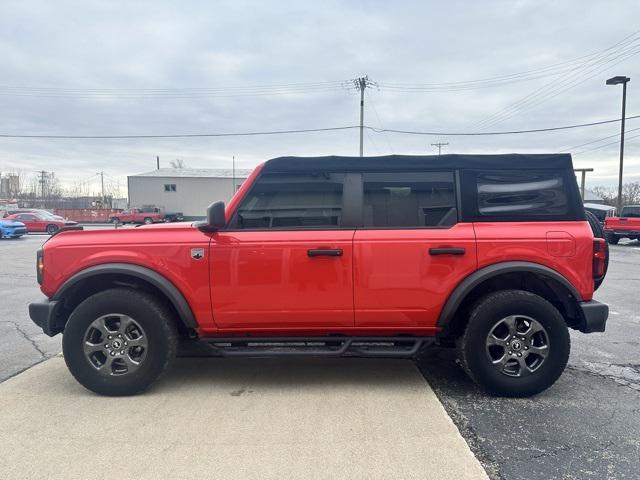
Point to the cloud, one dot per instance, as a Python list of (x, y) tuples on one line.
[(123, 46)]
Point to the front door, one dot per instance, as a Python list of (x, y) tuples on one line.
[(32, 222), (286, 259), (411, 251)]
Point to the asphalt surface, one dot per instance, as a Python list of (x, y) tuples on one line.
[(585, 426)]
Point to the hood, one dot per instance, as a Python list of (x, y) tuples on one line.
[(10, 222)]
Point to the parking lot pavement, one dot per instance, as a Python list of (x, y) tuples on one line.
[(22, 344), (585, 426), (235, 418)]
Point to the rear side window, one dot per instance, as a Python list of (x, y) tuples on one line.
[(299, 201), (520, 194), (409, 199), (630, 212)]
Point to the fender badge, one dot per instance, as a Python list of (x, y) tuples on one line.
[(197, 253)]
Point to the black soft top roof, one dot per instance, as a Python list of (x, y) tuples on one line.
[(511, 161)]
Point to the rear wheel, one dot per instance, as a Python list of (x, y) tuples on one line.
[(119, 341), (613, 239), (51, 229), (114, 220), (516, 344), (148, 220)]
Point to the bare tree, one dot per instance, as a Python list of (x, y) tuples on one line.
[(177, 163), (630, 194)]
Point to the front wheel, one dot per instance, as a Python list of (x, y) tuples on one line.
[(516, 344), (148, 221), (613, 239), (119, 341)]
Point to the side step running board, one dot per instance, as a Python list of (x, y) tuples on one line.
[(317, 346)]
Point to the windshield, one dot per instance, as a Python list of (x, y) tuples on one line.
[(47, 215)]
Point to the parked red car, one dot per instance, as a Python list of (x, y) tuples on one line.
[(42, 222), (330, 256)]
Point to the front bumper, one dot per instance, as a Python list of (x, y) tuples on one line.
[(594, 316), (45, 314), (14, 232)]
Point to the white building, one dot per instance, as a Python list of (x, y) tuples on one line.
[(186, 190)]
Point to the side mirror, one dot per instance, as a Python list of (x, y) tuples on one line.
[(215, 216)]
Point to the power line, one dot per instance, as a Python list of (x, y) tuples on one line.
[(312, 130), (214, 92), (508, 132), (375, 111), (184, 135), (596, 141), (625, 48), (607, 144)]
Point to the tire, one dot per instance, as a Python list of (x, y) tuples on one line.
[(132, 369), (598, 232), (488, 317), (148, 221), (114, 220), (51, 229), (613, 239)]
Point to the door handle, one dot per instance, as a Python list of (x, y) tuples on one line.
[(324, 252), (447, 251)]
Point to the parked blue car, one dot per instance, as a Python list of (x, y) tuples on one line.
[(11, 228)]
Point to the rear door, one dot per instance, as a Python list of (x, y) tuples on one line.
[(286, 260), (411, 250)]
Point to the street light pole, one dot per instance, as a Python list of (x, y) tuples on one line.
[(621, 79)]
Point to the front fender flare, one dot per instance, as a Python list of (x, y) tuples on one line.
[(485, 273), (151, 276)]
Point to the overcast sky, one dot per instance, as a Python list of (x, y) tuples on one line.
[(128, 68)]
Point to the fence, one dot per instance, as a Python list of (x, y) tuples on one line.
[(86, 215)]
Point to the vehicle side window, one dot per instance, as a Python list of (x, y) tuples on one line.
[(409, 199), (521, 193), (292, 201)]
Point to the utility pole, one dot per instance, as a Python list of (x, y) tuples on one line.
[(233, 175), (43, 176), (157, 162), (102, 183), (583, 172), (439, 145), (621, 79), (361, 84)]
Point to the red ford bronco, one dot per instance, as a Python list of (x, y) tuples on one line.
[(377, 256)]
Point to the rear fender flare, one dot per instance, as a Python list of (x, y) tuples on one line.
[(476, 278)]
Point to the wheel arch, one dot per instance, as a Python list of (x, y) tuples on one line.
[(528, 276), (101, 277)]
